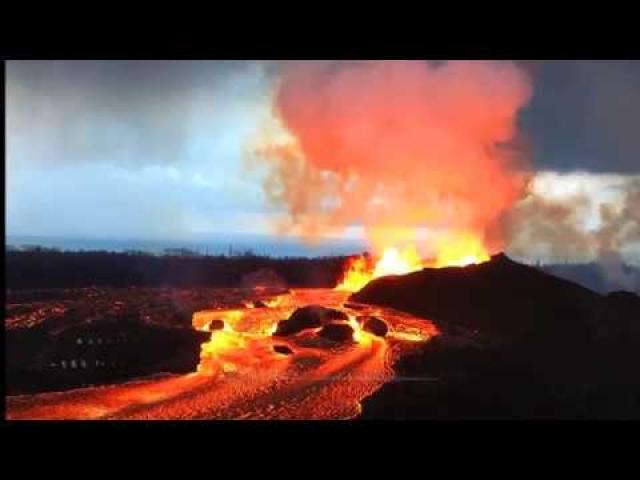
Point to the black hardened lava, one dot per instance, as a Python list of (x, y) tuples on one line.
[(515, 343)]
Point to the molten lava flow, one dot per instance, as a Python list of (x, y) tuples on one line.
[(242, 376), (359, 335), (213, 352), (233, 347), (456, 251)]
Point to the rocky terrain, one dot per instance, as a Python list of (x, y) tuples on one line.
[(66, 338)]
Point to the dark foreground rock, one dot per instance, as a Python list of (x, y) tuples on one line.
[(374, 325), (333, 314), (338, 332), (535, 346), (216, 324), (283, 349), (310, 316), (43, 359)]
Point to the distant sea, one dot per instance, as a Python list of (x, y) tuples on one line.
[(229, 245)]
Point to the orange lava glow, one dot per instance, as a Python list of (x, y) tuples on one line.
[(241, 376), (359, 335), (396, 262), (202, 320), (360, 271), (237, 345), (244, 342), (275, 301), (461, 250), (456, 250)]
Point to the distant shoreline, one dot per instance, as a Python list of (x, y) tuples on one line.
[(232, 245)]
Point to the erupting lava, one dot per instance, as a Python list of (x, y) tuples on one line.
[(461, 250), (398, 149), (458, 251), (360, 270)]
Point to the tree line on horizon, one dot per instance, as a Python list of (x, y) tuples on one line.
[(52, 268)]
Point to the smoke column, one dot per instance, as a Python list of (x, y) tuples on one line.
[(399, 147)]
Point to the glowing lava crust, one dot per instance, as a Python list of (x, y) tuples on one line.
[(247, 373)]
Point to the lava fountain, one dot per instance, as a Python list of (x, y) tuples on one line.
[(361, 270), (458, 251)]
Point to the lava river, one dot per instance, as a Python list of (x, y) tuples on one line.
[(242, 377)]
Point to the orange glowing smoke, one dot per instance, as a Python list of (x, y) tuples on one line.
[(421, 156), (460, 250)]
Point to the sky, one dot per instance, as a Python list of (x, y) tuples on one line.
[(131, 149), (157, 149)]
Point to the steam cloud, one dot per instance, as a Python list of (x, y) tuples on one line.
[(558, 224), (399, 147)]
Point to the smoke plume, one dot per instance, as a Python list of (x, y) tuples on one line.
[(399, 147), (558, 225)]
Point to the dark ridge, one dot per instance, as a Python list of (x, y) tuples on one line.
[(527, 299), (516, 343)]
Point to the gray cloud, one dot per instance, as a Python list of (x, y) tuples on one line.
[(584, 116), (128, 112)]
